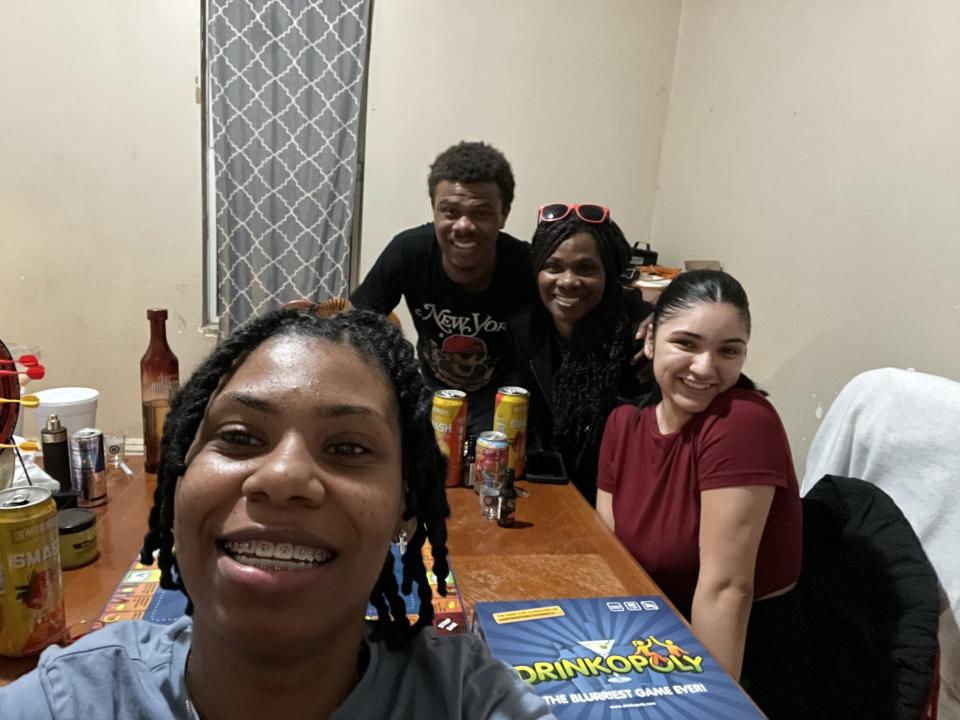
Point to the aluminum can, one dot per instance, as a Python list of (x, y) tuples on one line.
[(449, 418), (491, 457), (510, 418), (88, 467), (31, 594)]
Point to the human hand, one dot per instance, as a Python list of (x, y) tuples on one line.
[(641, 337)]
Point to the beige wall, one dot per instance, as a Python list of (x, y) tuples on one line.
[(100, 213), (100, 142), (813, 148), (574, 95), (810, 146)]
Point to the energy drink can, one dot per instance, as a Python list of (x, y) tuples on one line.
[(492, 455), (449, 418), (510, 418), (31, 595), (88, 468)]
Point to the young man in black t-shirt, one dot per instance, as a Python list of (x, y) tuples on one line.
[(461, 277)]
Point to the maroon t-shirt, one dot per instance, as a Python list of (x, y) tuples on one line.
[(656, 481)]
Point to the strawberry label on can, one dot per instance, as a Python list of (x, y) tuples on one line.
[(449, 418), (490, 468), (31, 597)]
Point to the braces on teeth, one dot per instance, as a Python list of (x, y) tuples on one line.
[(267, 550)]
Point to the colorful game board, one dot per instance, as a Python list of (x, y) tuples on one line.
[(614, 657), (449, 616), (140, 597)]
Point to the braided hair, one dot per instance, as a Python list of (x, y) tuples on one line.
[(380, 343), (592, 363)]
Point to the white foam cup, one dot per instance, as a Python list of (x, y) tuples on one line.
[(76, 407)]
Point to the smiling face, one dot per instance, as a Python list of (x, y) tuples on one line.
[(467, 219), (285, 513), (697, 354), (572, 281)]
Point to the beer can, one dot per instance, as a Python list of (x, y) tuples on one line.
[(492, 454), (510, 418), (31, 594), (88, 467), (449, 418)]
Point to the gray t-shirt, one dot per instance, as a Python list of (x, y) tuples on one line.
[(134, 669)]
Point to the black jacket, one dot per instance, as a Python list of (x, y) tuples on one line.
[(870, 595), (537, 349)]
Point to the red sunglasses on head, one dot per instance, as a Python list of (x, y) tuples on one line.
[(588, 212)]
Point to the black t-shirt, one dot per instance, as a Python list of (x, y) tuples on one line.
[(462, 337)]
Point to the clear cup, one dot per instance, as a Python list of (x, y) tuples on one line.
[(115, 443), (115, 449), (489, 495)]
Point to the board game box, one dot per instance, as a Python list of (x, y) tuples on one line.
[(613, 657), (140, 597)]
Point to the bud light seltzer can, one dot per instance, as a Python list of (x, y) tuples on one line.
[(88, 467), (31, 597), (492, 455), (449, 417), (510, 418)]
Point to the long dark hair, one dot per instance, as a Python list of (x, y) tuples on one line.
[(586, 383), (380, 343), (686, 291)]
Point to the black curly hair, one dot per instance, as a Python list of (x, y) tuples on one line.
[(587, 382), (380, 343), (473, 162)]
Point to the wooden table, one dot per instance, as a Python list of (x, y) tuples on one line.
[(559, 548)]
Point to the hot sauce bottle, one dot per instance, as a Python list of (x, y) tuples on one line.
[(159, 380)]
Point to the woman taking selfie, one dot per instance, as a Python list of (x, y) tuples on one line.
[(294, 455), (698, 483), (575, 346)]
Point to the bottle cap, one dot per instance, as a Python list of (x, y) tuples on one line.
[(53, 431)]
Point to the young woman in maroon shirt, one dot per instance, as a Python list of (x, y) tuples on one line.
[(699, 483)]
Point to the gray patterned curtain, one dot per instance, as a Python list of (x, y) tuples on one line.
[(285, 81)]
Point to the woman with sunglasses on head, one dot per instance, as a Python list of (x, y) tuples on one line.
[(698, 482), (575, 346), (291, 458)]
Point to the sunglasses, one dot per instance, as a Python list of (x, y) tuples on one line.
[(587, 212)]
